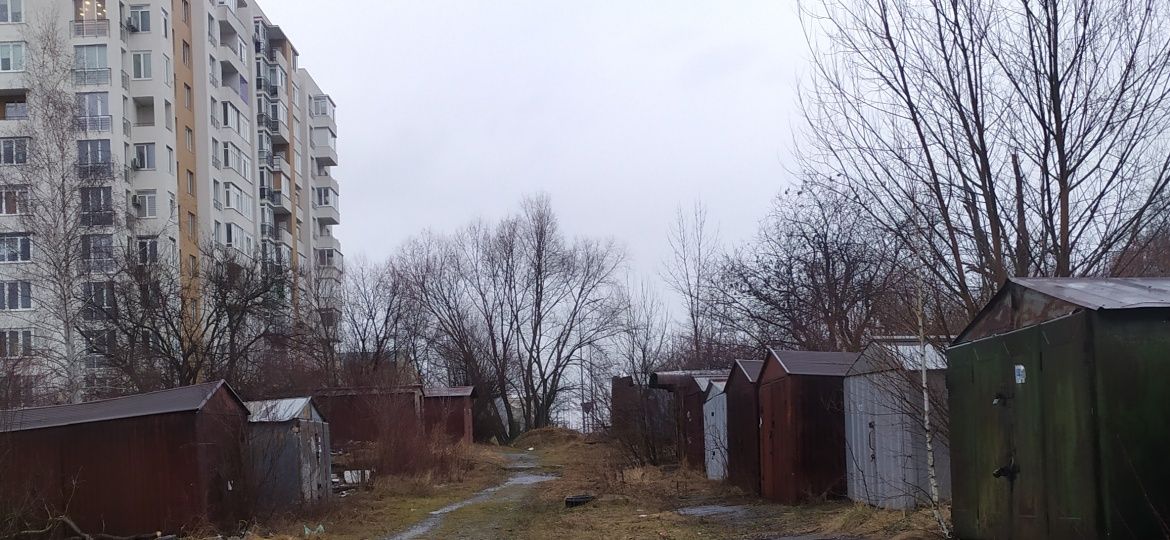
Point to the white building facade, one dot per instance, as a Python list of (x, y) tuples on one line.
[(205, 134)]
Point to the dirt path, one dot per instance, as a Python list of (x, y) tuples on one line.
[(518, 484)]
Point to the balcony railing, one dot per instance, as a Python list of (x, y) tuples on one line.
[(279, 164), (217, 204), (216, 161), (125, 79), (96, 265), (95, 171), (215, 122), (214, 81), (264, 157), (91, 28), (98, 218), (16, 111), (91, 76), (126, 127), (98, 123), (271, 231)]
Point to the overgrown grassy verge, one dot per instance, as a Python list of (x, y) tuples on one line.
[(642, 502), (395, 503)]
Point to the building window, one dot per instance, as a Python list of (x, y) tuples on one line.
[(186, 11), (140, 60), (90, 57), (13, 200), (187, 97), (139, 18), (99, 345), (168, 72), (15, 247), (97, 250), (324, 197), (12, 56), (14, 151), (11, 11), (192, 227), (147, 250), (93, 151), (186, 48), (170, 160), (166, 24), (146, 203), (190, 139), (15, 343), (97, 206), (99, 299), (144, 156), (190, 183), (15, 295)]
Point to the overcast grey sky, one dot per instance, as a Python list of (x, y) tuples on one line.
[(620, 110)]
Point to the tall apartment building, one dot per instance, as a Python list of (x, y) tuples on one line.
[(216, 134)]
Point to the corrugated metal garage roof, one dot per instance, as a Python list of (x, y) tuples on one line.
[(750, 368), (832, 364), (187, 398), (282, 410), (1104, 293), (449, 391)]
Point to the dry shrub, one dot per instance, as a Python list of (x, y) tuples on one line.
[(546, 437)]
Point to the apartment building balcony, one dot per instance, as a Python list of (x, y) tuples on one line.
[(327, 214), (279, 200), (91, 76), (94, 123), (273, 232), (323, 120), (276, 128), (97, 171), (229, 51), (92, 28), (327, 241), (226, 13), (265, 158), (99, 218), (329, 262), (280, 165), (326, 153)]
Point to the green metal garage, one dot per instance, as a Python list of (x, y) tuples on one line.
[(1058, 400)]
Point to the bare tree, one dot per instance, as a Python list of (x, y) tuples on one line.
[(818, 277), (641, 423), (170, 325), (564, 301), (1025, 136), (60, 183), (689, 273)]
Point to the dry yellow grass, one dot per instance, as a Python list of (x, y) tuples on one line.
[(396, 502)]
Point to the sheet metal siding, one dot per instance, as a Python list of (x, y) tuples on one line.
[(364, 417), (1043, 428), (449, 416), (743, 433), (886, 459), (715, 439), (127, 453), (802, 438), (645, 415), (288, 468), (222, 437), (691, 425), (1133, 352)]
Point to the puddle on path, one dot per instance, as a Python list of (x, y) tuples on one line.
[(518, 462), (722, 510)]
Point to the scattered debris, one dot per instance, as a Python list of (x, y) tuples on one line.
[(578, 500)]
